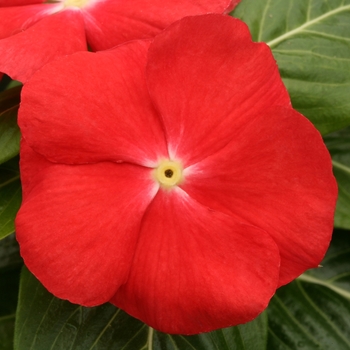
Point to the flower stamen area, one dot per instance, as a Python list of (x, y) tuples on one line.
[(75, 3), (168, 173)]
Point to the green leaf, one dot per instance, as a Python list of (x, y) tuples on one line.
[(7, 83), (45, 322), (338, 144), (310, 40), (9, 254), (10, 196), (313, 312), (10, 264), (9, 131), (7, 331), (252, 335)]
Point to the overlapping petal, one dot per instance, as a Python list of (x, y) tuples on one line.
[(196, 269), (107, 24), (93, 107), (18, 18), (201, 87), (275, 174), (114, 22), (33, 169), (9, 3), (80, 250), (24, 53)]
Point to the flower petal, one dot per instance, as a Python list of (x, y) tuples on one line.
[(18, 18), (113, 22), (9, 3), (26, 52), (275, 174), (204, 73), (31, 175), (92, 107), (79, 249), (196, 270)]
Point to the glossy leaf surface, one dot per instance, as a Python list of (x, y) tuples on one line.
[(9, 131), (10, 196), (313, 312), (338, 144), (310, 40), (45, 322), (10, 263)]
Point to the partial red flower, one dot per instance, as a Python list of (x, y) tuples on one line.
[(172, 178), (34, 32)]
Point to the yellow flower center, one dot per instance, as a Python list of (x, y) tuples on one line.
[(75, 3), (168, 174)]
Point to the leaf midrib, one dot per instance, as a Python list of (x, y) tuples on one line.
[(8, 182), (307, 24), (314, 280), (341, 166)]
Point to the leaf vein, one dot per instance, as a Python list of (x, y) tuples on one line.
[(263, 17), (341, 166), (307, 24), (105, 328), (279, 339), (325, 35), (41, 322), (323, 315), (295, 320), (311, 279), (134, 336)]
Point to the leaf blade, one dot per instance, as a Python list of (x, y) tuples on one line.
[(314, 311), (9, 131), (311, 44), (10, 264), (338, 144), (58, 324), (10, 196)]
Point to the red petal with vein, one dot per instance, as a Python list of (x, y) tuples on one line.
[(23, 54), (113, 22), (18, 18), (275, 174), (92, 107), (9, 3), (31, 174), (79, 249), (196, 270), (204, 73)]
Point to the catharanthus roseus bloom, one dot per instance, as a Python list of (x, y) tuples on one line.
[(172, 178), (33, 32)]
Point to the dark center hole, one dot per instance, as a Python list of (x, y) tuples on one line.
[(168, 173)]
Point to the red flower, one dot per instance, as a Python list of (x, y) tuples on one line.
[(33, 32), (172, 178)]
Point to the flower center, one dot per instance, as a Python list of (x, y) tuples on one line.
[(75, 3), (168, 173)]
